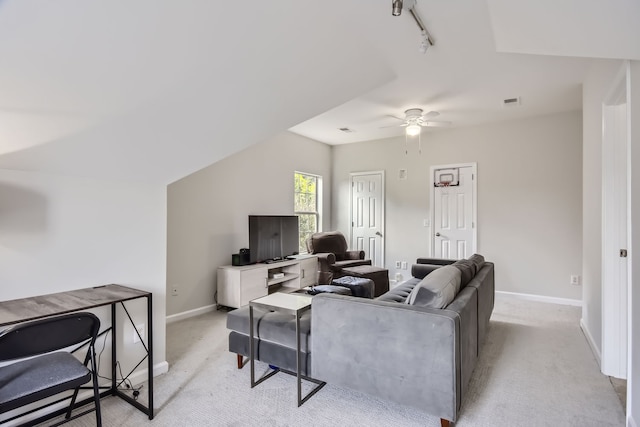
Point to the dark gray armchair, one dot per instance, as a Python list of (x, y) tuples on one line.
[(333, 255)]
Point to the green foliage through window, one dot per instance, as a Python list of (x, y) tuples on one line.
[(306, 206)]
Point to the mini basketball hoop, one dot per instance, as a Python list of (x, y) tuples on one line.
[(446, 178)]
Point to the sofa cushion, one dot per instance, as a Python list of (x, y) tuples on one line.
[(401, 292), (467, 269), (437, 289)]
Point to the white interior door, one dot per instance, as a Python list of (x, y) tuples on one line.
[(454, 211), (367, 215)]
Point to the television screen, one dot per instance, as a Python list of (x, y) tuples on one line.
[(272, 237)]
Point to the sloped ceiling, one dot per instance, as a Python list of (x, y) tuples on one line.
[(595, 29), (485, 52), (154, 90)]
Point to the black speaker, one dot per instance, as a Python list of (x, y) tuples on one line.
[(241, 258)]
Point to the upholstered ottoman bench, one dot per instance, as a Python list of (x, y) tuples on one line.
[(274, 337), (380, 276)]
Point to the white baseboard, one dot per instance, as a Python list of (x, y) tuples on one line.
[(141, 375), (592, 343), (541, 298), (190, 313), (631, 422)]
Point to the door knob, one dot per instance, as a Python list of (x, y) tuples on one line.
[(378, 234), (437, 234)]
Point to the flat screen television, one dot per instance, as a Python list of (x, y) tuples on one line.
[(272, 237)]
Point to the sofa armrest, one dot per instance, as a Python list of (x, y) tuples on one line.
[(402, 353), (326, 259)]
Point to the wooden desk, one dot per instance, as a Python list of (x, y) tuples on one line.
[(27, 309)]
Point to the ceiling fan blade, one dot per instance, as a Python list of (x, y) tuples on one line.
[(393, 126), (431, 114), (436, 124), (395, 117)]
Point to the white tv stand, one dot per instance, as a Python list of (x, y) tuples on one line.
[(237, 285)]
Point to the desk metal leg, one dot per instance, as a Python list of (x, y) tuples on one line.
[(148, 410), (114, 354)]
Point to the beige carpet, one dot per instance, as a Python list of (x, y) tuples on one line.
[(536, 369)]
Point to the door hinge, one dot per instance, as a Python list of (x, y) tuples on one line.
[(623, 253)]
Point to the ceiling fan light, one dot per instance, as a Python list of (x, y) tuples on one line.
[(413, 130)]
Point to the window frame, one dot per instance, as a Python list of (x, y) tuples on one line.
[(318, 196)]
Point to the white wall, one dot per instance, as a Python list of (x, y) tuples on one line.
[(60, 233), (529, 192), (208, 210)]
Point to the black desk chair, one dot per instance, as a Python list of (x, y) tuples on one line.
[(50, 372)]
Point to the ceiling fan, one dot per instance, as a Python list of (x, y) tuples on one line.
[(414, 120)]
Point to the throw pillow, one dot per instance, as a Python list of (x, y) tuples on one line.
[(437, 289), (467, 270), (477, 260)]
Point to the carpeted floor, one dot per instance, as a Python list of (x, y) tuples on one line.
[(536, 369)]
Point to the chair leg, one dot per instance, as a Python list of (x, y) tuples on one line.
[(73, 401), (75, 392), (240, 361)]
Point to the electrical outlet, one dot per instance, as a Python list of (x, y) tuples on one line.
[(575, 279), (398, 264), (174, 291), (140, 329), (404, 265)]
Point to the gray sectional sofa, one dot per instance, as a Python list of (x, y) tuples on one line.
[(409, 354), (412, 354)]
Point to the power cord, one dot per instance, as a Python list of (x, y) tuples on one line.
[(127, 383)]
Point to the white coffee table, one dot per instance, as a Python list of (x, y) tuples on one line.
[(294, 304)]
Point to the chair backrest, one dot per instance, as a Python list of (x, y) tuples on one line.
[(48, 334), (327, 241)]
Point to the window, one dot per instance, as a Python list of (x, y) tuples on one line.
[(307, 196)]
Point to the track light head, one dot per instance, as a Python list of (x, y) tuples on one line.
[(396, 7)]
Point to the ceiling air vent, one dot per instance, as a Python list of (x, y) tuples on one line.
[(346, 130), (511, 102)]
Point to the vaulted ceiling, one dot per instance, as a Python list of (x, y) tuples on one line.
[(153, 90)]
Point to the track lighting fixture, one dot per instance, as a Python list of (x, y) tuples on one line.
[(396, 7), (396, 10), (424, 44)]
